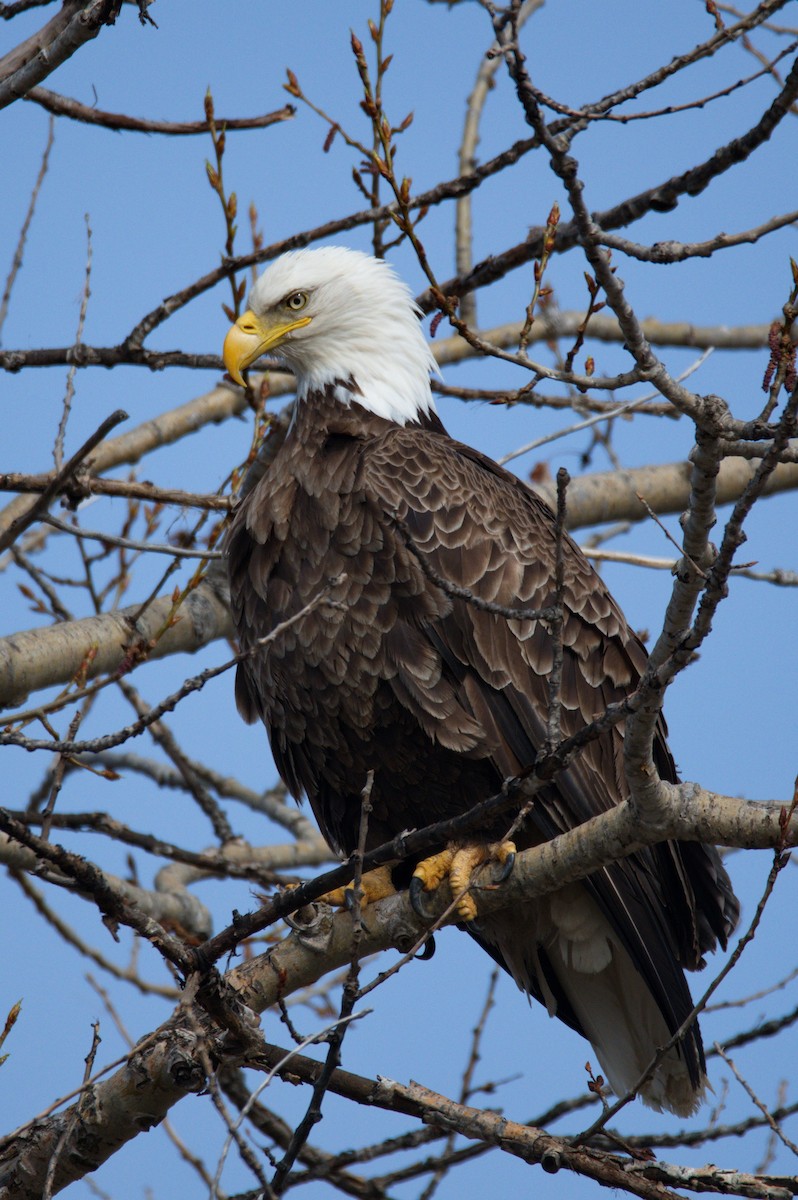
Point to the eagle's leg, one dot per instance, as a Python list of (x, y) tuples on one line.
[(457, 864), (374, 885)]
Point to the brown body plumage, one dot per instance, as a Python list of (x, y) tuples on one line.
[(443, 701)]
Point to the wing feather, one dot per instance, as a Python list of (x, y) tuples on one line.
[(481, 528)]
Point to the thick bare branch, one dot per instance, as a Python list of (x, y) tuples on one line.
[(29, 63), (155, 909), (41, 657)]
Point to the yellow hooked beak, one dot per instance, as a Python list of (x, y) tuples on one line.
[(252, 336)]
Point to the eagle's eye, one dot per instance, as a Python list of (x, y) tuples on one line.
[(296, 301)]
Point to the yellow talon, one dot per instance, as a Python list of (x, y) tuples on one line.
[(432, 871), (459, 865), (375, 885)]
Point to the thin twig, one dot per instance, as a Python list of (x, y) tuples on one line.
[(112, 539), (71, 1124), (763, 1108), (58, 450), (16, 262), (21, 523), (350, 995), (66, 106), (553, 732)]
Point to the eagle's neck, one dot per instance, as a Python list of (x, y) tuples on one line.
[(390, 381), (338, 408)]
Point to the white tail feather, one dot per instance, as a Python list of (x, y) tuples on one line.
[(608, 996)]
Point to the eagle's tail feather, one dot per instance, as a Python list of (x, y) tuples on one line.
[(623, 1023), (563, 951)]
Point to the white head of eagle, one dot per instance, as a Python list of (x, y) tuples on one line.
[(341, 318)]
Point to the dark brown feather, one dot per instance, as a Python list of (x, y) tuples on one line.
[(439, 698)]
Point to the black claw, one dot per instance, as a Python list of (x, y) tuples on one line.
[(349, 899), (507, 868), (428, 950), (416, 893)]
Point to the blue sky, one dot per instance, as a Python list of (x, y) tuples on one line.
[(156, 226)]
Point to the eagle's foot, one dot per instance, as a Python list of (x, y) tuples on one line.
[(457, 864), (374, 885)]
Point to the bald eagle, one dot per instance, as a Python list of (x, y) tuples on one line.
[(440, 699)]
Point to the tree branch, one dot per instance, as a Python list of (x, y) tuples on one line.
[(59, 479), (77, 23), (169, 1063), (65, 106), (39, 658)]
